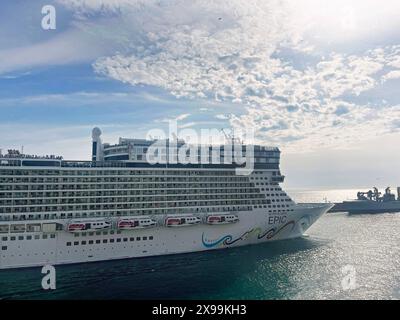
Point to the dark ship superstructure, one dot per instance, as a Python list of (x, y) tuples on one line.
[(371, 201)]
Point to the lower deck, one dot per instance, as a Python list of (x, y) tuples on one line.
[(61, 251), (37, 249)]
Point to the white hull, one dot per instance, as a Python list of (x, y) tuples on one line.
[(253, 227)]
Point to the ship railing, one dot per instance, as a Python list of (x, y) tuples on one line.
[(312, 204)]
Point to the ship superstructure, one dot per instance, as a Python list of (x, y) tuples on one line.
[(118, 205)]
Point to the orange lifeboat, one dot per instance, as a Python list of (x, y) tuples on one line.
[(88, 225), (74, 227), (136, 223), (181, 221), (221, 219)]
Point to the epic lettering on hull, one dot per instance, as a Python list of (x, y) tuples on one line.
[(277, 219)]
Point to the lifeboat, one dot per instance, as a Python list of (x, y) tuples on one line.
[(181, 221), (75, 227), (222, 219), (135, 223), (89, 225)]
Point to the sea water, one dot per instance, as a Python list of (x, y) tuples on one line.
[(341, 257)]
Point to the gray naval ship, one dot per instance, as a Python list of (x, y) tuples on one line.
[(371, 201)]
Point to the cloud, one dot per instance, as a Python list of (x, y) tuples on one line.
[(73, 98), (182, 117), (88, 7), (189, 49), (70, 47), (391, 75), (178, 118), (217, 52), (265, 56), (222, 116)]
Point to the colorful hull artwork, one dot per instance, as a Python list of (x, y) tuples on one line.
[(228, 240)]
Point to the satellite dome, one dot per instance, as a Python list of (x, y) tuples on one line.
[(96, 133)]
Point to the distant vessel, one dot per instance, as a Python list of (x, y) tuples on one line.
[(371, 202)]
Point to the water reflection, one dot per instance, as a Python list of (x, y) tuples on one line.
[(194, 275)]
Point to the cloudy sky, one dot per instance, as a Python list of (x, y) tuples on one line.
[(318, 78)]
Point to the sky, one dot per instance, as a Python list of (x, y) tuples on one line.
[(319, 79)]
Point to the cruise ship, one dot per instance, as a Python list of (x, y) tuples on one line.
[(119, 205)]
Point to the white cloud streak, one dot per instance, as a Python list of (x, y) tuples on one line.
[(70, 47), (395, 74)]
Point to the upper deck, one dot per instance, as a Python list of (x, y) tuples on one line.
[(42, 163), (140, 153)]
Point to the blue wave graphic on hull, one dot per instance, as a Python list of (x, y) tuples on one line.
[(225, 240), (228, 239), (209, 244)]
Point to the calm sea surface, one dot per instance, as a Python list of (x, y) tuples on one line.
[(342, 257)]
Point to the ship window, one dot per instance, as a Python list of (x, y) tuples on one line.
[(111, 240), (37, 237), (68, 244), (4, 248), (44, 236), (137, 238), (21, 238), (76, 243), (105, 241), (97, 241), (90, 241), (151, 238), (4, 238), (125, 239), (83, 242), (12, 238), (119, 240), (52, 236), (144, 238), (132, 239)]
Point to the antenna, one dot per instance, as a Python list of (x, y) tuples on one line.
[(231, 137), (22, 149), (227, 136)]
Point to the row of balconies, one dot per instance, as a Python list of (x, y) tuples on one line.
[(63, 215), (130, 206), (7, 180), (155, 199), (119, 193)]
